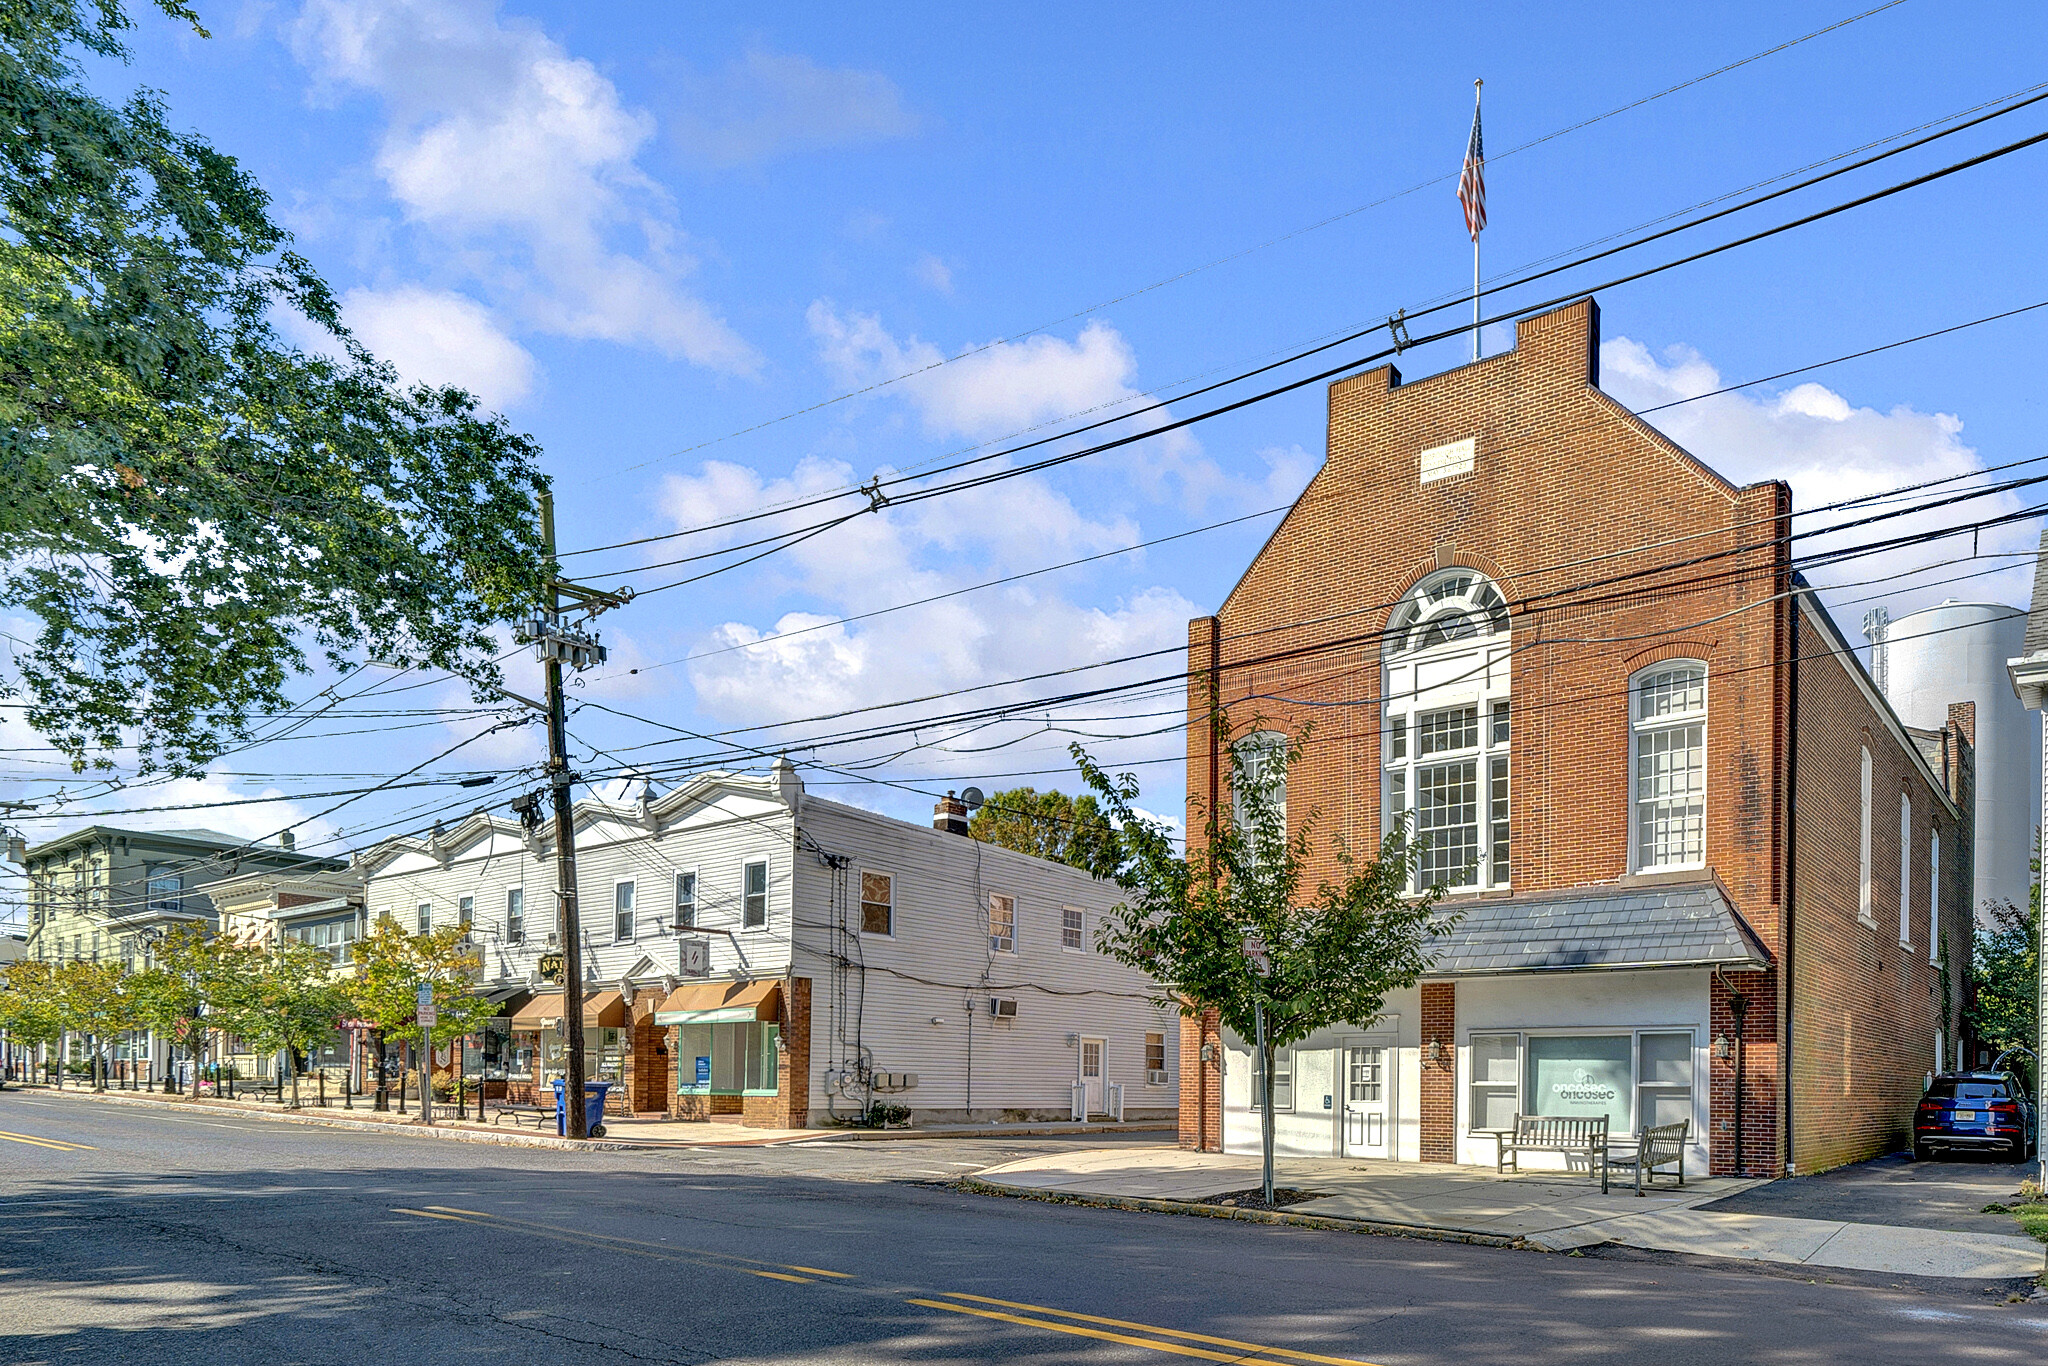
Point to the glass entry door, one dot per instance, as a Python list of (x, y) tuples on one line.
[(1368, 1101), (1091, 1076)]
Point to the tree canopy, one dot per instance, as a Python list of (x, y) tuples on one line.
[(188, 503), (391, 964), (2004, 1002), (1051, 825)]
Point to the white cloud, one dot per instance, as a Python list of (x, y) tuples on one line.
[(261, 820), (1829, 450), (430, 336), (519, 163), (934, 274), (766, 104)]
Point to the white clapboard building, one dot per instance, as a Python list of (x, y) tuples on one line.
[(754, 951)]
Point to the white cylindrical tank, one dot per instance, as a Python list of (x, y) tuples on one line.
[(1956, 652)]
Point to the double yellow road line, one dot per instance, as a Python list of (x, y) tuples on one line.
[(57, 1144), (1125, 1332)]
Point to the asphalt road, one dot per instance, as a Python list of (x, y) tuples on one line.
[(128, 1235)]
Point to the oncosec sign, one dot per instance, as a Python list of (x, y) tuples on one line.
[(1582, 1076)]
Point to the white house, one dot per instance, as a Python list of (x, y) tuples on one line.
[(750, 949)]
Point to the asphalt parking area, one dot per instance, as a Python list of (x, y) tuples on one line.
[(1945, 1193)]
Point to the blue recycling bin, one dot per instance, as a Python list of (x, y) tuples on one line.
[(593, 1107)]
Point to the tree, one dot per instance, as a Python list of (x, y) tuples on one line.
[(170, 994), (188, 503), (2003, 1007), (30, 1008), (282, 998), (1226, 926), (95, 1002), (1050, 825), (391, 965)]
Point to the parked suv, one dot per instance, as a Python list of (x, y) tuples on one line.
[(1983, 1111)]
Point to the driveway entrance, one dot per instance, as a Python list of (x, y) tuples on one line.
[(1894, 1190)]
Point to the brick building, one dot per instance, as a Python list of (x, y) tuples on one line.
[(1689, 838)]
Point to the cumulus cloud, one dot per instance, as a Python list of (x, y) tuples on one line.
[(806, 662), (1830, 449), (518, 162), (431, 336), (766, 104)]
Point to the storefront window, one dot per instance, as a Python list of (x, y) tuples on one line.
[(1283, 1080), (1582, 1074), (1664, 1074), (1496, 1080), (727, 1059)]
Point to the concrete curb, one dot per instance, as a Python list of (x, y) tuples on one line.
[(371, 1126), (1021, 1131), (1327, 1223)]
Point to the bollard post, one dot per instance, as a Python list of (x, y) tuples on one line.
[(323, 1088)]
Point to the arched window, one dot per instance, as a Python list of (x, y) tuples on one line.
[(1445, 751), (1668, 707)]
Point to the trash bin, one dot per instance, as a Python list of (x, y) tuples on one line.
[(593, 1107)]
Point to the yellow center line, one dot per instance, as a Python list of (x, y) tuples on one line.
[(1163, 1332), (427, 1214), (820, 1271), (1102, 1334), (780, 1276), (61, 1145)]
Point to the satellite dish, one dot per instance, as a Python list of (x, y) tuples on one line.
[(972, 798)]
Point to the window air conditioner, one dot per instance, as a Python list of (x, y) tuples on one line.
[(1156, 1077), (1003, 1007)]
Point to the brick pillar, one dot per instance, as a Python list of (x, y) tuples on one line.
[(1762, 1080), (790, 1106), (1439, 1111), (646, 1067), (1201, 1083)]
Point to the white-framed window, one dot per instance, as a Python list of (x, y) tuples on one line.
[(1866, 908), (1260, 769), (1002, 923), (686, 899), (1905, 871), (622, 911), (1445, 751), (1495, 1090), (515, 915), (1934, 897), (754, 896), (165, 891), (1073, 929), (877, 903), (1663, 1078), (424, 914), (1668, 744), (465, 911), (1155, 1054), (1283, 1080)]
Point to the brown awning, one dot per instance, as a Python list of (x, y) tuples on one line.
[(721, 1003), (601, 1010)]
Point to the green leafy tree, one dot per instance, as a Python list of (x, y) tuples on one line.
[(1227, 925), (31, 1009), (282, 998), (170, 993), (188, 504), (2003, 1007), (95, 1003), (1051, 825), (391, 965)]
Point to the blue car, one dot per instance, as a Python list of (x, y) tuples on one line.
[(1985, 1112)]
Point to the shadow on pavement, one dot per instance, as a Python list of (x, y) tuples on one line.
[(1942, 1194)]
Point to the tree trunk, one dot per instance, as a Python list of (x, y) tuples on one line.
[(1265, 1047)]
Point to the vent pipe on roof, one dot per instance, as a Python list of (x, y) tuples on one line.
[(286, 840)]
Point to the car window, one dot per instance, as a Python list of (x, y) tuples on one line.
[(1954, 1088)]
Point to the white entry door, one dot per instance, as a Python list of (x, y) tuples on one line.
[(1368, 1100), (1091, 1076)]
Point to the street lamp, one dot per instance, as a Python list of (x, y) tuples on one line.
[(1261, 962)]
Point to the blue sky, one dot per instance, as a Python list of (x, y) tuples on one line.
[(645, 231)]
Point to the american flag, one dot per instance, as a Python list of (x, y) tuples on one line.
[(1472, 180)]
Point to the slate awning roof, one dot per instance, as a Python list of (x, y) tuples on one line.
[(1590, 929)]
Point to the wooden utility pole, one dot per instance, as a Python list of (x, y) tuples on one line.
[(567, 916)]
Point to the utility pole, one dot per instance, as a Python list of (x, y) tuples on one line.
[(556, 644)]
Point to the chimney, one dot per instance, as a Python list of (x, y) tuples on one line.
[(950, 815), (287, 839)]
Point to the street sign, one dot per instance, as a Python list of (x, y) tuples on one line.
[(695, 957), (425, 997), (427, 1017)]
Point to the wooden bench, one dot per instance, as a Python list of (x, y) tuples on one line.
[(1553, 1134), (1661, 1145)]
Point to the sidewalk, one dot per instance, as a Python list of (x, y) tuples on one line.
[(1556, 1212)]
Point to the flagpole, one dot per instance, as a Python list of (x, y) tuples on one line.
[(1475, 240)]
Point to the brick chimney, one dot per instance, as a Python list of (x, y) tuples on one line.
[(950, 815)]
